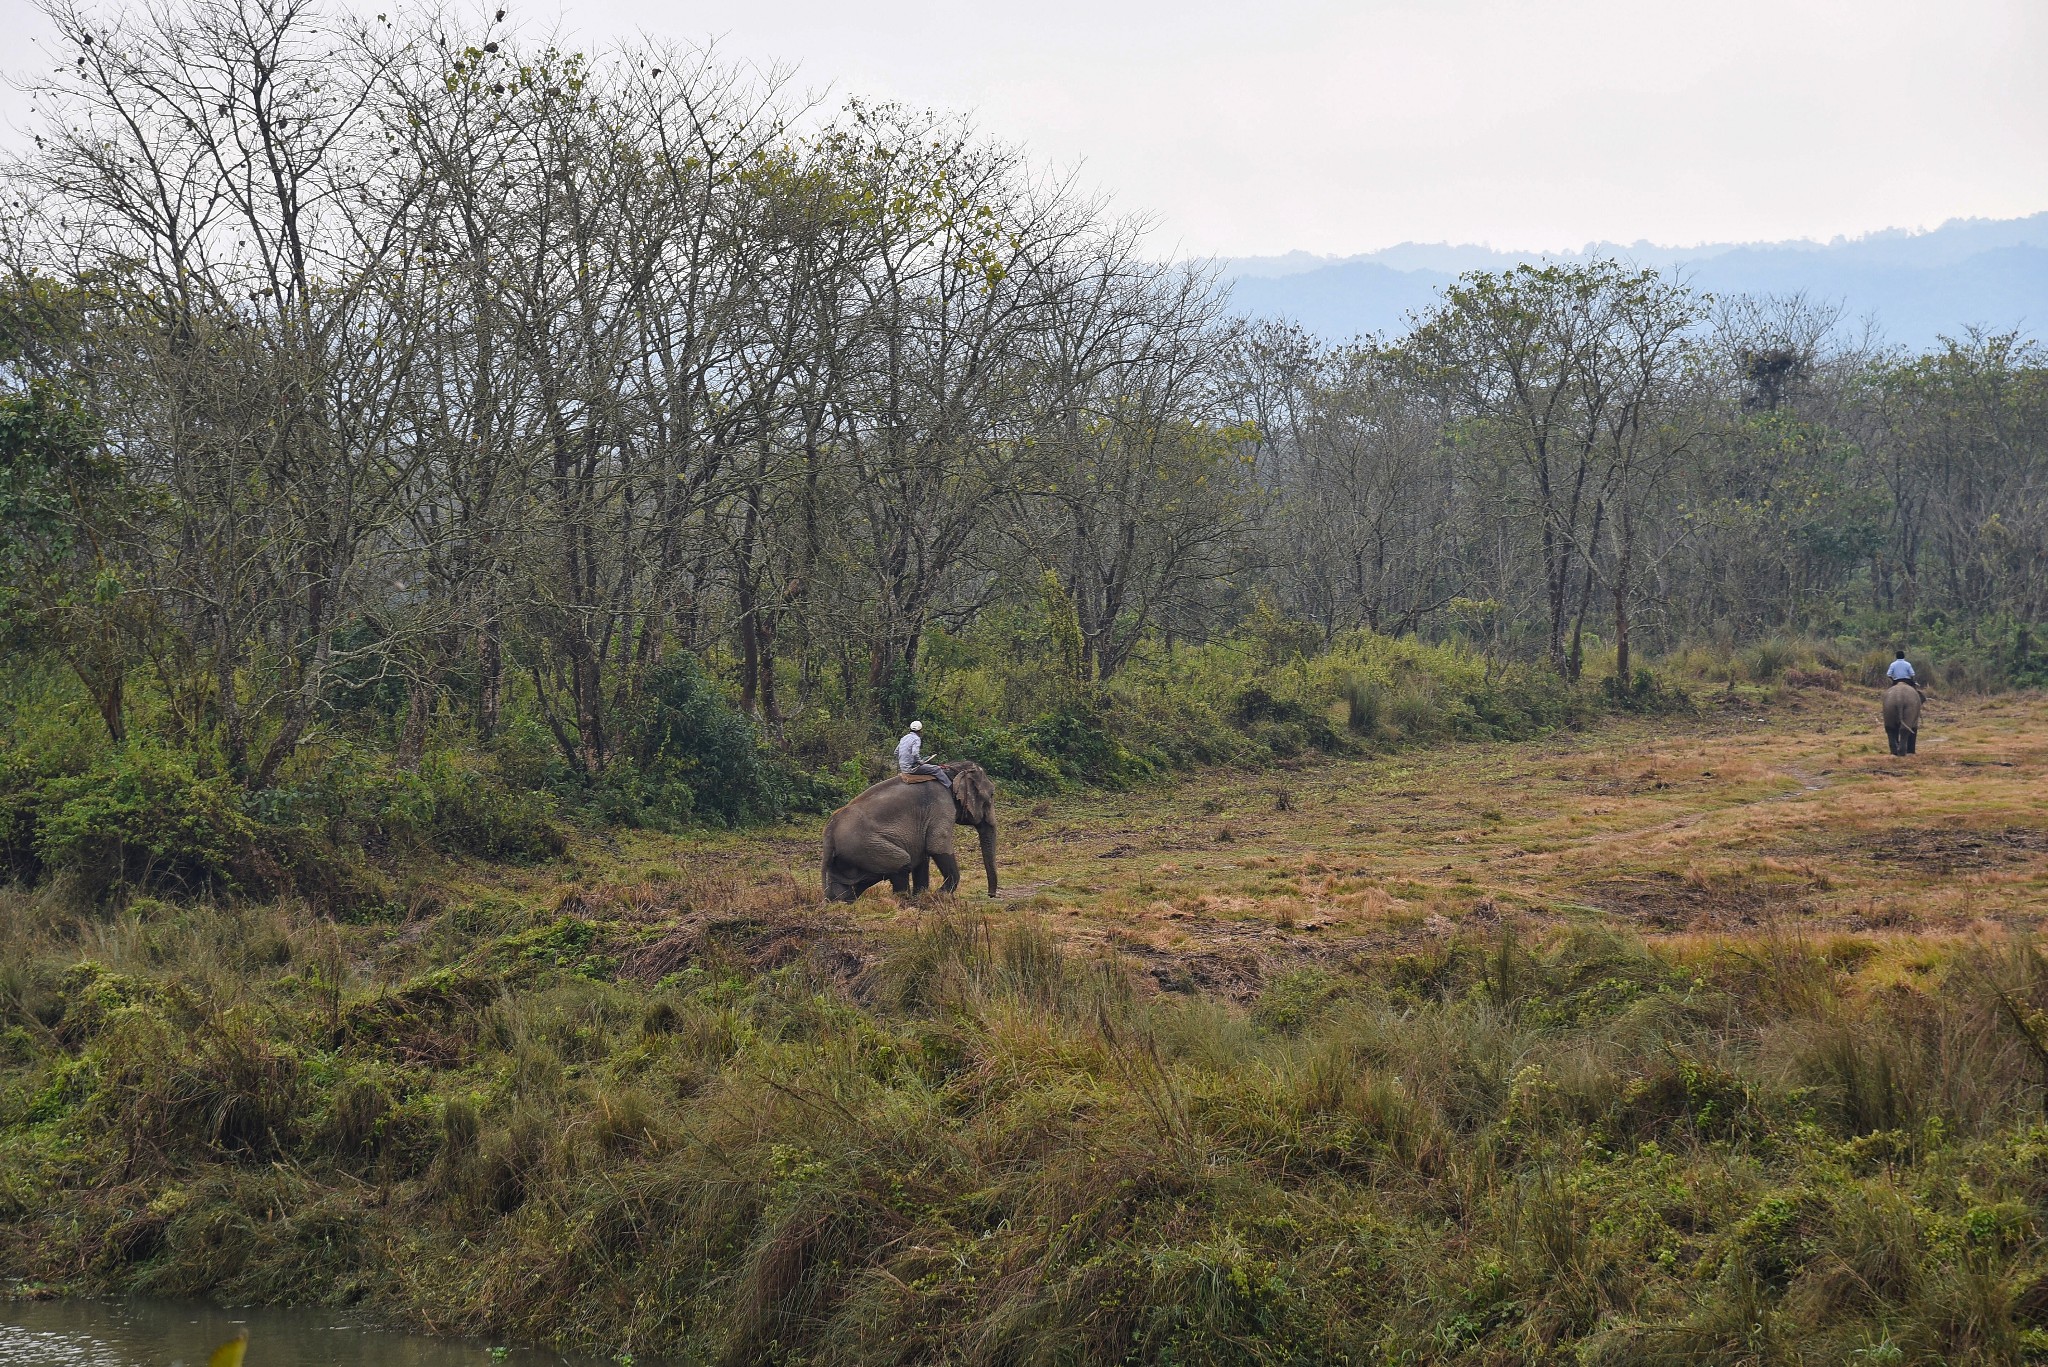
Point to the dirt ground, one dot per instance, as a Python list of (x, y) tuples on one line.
[(1751, 818)]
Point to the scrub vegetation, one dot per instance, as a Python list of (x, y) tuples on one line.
[(1723, 1039)]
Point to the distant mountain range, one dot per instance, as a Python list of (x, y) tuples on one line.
[(1913, 287)]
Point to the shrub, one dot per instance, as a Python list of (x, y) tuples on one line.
[(1766, 660), (143, 815), (470, 811), (457, 801), (1364, 703), (1009, 756), (1647, 693), (1292, 723), (1415, 709), (1077, 737), (692, 757)]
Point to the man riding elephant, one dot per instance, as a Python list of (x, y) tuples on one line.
[(1903, 699), (896, 830), (1901, 671), (910, 756)]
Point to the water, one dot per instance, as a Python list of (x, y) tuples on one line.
[(136, 1333)]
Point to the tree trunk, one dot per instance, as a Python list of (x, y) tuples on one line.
[(490, 679), (412, 739)]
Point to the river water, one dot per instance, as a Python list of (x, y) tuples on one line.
[(138, 1333)]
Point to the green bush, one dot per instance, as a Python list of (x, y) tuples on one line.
[(1646, 693), (1284, 721), (457, 801), (1364, 706), (1077, 737), (1766, 660), (145, 816), (690, 756), (1009, 757), (1415, 710), (469, 811), (47, 731)]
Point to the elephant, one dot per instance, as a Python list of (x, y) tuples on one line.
[(1902, 717), (897, 829)]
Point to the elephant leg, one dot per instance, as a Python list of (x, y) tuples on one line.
[(949, 867), (1891, 739), (1912, 742), (899, 882), (921, 876)]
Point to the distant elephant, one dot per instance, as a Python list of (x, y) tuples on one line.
[(895, 830), (1902, 717)]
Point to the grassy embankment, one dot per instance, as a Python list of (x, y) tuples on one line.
[(1714, 1040)]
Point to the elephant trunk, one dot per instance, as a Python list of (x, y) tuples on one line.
[(987, 831)]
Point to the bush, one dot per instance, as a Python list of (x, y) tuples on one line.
[(1766, 660), (144, 816), (1285, 722), (469, 811), (692, 757), (1647, 693), (1077, 737), (456, 801), (49, 733), (1009, 756), (1414, 710), (1364, 705)]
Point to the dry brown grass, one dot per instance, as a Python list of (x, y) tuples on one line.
[(1791, 817)]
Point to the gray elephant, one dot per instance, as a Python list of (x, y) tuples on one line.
[(1902, 717), (897, 829)]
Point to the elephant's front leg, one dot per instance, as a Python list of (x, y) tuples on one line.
[(921, 875), (949, 868)]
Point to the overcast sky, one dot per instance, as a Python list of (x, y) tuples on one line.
[(1342, 127)]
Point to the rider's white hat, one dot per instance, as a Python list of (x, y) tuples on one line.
[(917, 726)]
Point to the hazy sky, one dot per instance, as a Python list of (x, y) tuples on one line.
[(1256, 128)]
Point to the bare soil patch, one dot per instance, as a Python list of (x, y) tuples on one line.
[(1662, 900), (1954, 851)]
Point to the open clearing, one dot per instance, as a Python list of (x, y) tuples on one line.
[(1790, 816)]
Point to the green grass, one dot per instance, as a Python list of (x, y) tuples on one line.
[(766, 1137)]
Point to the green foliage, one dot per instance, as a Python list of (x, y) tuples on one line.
[(1077, 737), (455, 800), (1646, 693), (144, 815), (52, 476), (690, 756)]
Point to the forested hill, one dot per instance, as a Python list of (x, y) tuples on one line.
[(1916, 287)]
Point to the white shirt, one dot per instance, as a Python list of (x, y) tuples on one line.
[(1901, 669), (909, 751)]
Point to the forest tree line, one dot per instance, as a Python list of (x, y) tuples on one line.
[(397, 359)]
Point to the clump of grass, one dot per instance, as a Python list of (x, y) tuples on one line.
[(1364, 705), (625, 1120), (1766, 661)]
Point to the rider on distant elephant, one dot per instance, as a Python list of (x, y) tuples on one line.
[(910, 756), (1901, 671)]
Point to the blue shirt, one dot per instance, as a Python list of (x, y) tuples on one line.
[(908, 751), (1901, 669)]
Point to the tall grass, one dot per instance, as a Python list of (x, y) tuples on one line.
[(981, 1148)]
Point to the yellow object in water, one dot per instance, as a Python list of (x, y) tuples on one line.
[(229, 1354)]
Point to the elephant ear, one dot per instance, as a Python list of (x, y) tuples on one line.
[(973, 796)]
